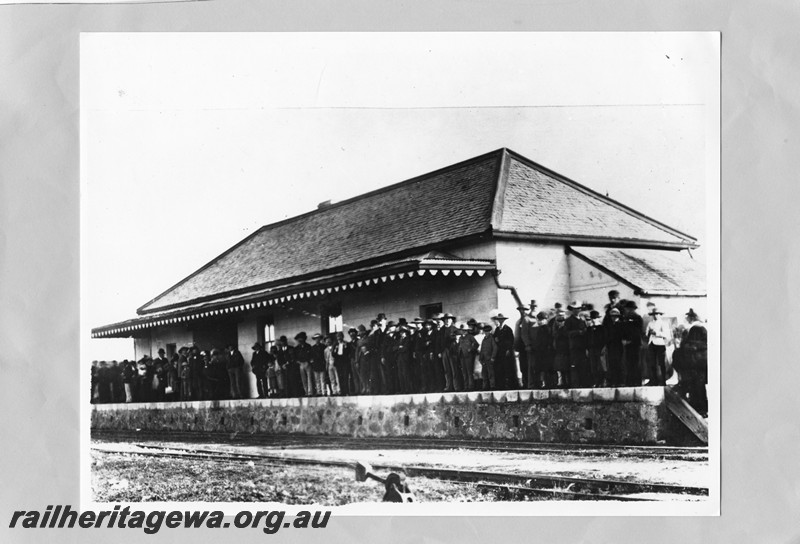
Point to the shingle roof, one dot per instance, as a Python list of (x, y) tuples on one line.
[(542, 202), (500, 193), (650, 271)]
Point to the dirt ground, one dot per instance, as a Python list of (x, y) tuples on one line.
[(124, 477), (132, 478)]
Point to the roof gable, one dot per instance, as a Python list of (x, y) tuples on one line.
[(537, 201)]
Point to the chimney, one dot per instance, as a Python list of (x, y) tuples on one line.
[(323, 205)]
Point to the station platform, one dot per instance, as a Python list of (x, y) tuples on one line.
[(624, 415)]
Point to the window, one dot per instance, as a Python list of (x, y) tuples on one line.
[(332, 318), (427, 311), (266, 332)]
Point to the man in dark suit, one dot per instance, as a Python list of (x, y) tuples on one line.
[(505, 369), (632, 342)]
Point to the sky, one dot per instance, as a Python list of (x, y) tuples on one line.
[(191, 141)]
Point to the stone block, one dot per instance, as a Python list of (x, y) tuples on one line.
[(625, 394), (649, 395), (581, 395), (525, 395), (540, 395), (560, 395), (604, 394), (512, 396)]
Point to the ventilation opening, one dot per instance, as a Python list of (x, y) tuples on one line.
[(320, 414), (222, 420), (406, 420), (515, 421), (252, 421), (360, 420), (283, 419), (588, 423), (457, 421)]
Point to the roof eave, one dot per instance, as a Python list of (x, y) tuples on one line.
[(595, 241)]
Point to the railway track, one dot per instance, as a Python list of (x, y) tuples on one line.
[(506, 486), (376, 443)]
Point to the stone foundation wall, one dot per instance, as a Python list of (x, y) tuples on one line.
[(599, 416)]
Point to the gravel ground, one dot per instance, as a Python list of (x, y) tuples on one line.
[(134, 478), (647, 470)]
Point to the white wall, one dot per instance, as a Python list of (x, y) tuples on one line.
[(590, 284), (538, 271)]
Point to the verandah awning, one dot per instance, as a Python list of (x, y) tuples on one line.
[(431, 264)]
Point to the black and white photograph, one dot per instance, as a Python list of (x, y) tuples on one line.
[(465, 271)]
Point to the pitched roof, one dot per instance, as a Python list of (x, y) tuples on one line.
[(649, 271), (500, 193)]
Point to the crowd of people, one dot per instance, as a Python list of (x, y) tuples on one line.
[(559, 348)]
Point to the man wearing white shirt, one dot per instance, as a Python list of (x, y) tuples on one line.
[(657, 333)]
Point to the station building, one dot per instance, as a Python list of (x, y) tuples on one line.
[(481, 234)]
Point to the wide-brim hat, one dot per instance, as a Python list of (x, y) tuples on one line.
[(525, 307), (448, 316), (256, 346), (300, 335), (418, 320), (438, 316), (316, 336), (461, 326), (575, 305), (497, 314)]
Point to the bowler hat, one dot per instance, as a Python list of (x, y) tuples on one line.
[(594, 314), (256, 346), (541, 315), (485, 327), (631, 304), (300, 335)]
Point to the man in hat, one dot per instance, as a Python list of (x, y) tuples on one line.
[(467, 349), (363, 361), (235, 366), (259, 364), (424, 356), (352, 352), (303, 354), (657, 334), (612, 329), (575, 328), (631, 343), (286, 365), (521, 340), (613, 302), (449, 354), (197, 367), (505, 367), (695, 347), (318, 364), (541, 351), (595, 342), (404, 353), (160, 368), (561, 352), (388, 358), (487, 354)]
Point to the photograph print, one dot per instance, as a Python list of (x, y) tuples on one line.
[(349, 269)]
